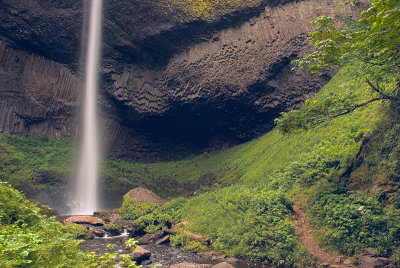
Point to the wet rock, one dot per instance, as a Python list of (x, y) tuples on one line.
[(124, 223), (140, 254), (85, 220), (144, 240), (369, 262), (164, 240), (189, 265), (143, 195), (146, 262), (98, 232), (223, 265), (114, 229)]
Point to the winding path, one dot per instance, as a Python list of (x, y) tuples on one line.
[(306, 237)]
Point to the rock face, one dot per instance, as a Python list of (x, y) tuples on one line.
[(172, 85)]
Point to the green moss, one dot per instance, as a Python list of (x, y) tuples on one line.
[(205, 9)]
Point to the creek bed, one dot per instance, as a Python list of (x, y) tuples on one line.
[(163, 254)]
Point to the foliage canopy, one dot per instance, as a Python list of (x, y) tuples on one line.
[(372, 43)]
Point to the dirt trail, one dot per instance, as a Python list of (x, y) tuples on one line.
[(305, 234)]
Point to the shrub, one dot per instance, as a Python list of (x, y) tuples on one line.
[(354, 221), (130, 210)]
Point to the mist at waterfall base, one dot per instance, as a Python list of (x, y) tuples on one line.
[(85, 196)]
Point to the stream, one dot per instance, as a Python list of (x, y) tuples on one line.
[(163, 254)]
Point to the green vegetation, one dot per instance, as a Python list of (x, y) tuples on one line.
[(206, 10), (251, 218), (30, 239), (371, 43), (183, 241), (22, 158), (337, 157), (369, 214), (130, 210)]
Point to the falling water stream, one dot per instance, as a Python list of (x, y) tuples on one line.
[(87, 180)]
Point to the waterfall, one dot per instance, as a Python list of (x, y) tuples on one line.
[(87, 178)]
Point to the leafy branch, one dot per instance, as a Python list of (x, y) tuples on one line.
[(372, 43)]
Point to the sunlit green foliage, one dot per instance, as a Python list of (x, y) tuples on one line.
[(130, 210), (185, 242), (205, 9), (353, 221), (21, 157), (29, 239), (372, 44)]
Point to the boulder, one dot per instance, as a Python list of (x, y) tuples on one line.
[(140, 254), (222, 265), (143, 195), (85, 220)]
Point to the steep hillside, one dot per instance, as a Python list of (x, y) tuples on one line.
[(322, 169)]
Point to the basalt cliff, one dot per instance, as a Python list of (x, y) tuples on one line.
[(173, 83)]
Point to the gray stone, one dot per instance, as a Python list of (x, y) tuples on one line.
[(140, 254)]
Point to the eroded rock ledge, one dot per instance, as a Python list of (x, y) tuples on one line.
[(170, 88)]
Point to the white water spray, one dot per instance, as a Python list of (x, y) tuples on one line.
[(86, 187)]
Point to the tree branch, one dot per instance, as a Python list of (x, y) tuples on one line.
[(377, 90), (351, 109)]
